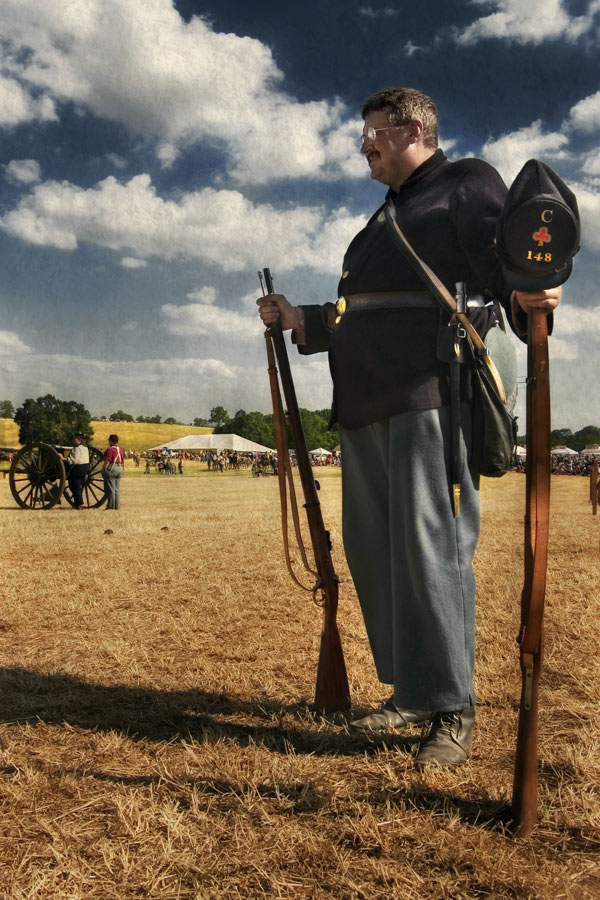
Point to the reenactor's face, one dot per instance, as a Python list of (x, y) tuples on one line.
[(385, 152)]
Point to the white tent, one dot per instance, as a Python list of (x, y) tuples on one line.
[(591, 450), (320, 451), (214, 442), (520, 451), (563, 451)]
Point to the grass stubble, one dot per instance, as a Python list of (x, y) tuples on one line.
[(157, 737)]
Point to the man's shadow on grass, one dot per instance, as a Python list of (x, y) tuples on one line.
[(147, 714), (154, 715)]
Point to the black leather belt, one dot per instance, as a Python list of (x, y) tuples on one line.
[(397, 299)]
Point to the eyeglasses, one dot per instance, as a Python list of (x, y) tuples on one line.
[(371, 133)]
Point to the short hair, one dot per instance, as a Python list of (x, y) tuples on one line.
[(113, 438), (406, 104)]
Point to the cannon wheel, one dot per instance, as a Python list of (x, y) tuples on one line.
[(94, 491), (37, 476)]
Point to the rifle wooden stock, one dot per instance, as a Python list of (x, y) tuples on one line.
[(332, 691), (537, 512)]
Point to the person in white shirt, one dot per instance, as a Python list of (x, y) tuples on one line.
[(78, 461)]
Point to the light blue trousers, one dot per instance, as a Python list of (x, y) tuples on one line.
[(411, 559), (112, 484)]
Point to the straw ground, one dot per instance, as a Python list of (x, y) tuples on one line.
[(157, 670)]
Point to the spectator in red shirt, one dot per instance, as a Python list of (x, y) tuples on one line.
[(112, 470)]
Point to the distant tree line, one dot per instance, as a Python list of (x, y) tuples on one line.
[(577, 440), (120, 416), (255, 426), (53, 421), (258, 427)]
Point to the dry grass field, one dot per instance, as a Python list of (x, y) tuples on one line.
[(157, 667)]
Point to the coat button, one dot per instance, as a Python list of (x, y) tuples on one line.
[(341, 306)]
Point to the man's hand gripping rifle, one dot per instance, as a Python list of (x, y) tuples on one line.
[(332, 692)]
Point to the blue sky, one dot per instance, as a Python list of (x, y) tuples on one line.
[(155, 154)]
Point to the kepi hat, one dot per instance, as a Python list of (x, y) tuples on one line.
[(537, 234)]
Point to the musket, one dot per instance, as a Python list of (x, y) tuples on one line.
[(332, 692), (537, 511)]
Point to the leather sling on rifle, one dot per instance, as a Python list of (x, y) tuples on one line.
[(284, 475)]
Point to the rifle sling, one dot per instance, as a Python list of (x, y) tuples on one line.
[(284, 474)]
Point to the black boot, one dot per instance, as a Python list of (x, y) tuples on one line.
[(450, 739), (390, 717)]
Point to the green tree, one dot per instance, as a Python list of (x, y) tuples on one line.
[(316, 430), (219, 417), (120, 416), (260, 429), (7, 410), (52, 421), (171, 421), (254, 426), (561, 436), (200, 423), (586, 436)]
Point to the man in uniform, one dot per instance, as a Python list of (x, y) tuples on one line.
[(409, 554)]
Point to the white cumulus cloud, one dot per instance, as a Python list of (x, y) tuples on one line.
[(591, 165), (219, 227), (140, 64), (198, 318), (588, 203), (12, 343), (575, 320), (25, 171), (130, 262), (585, 115), (530, 22), (18, 105), (510, 152), (206, 295)]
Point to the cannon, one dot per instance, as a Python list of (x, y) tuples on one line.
[(38, 477)]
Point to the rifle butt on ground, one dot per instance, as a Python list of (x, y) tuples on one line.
[(332, 693)]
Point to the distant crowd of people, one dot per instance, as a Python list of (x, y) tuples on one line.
[(171, 461), (579, 464), (331, 459)]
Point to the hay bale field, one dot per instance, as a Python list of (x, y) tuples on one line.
[(157, 665)]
